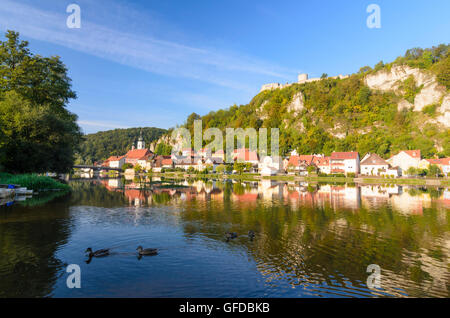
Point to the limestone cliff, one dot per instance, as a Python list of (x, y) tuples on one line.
[(431, 93)]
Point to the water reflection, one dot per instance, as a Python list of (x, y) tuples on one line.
[(310, 239)]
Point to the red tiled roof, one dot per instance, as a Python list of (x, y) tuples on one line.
[(166, 162), (137, 153), (413, 153), (324, 161), (114, 158), (441, 161), (296, 160), (344, 155)]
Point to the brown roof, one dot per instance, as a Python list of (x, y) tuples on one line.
[(374, 160)]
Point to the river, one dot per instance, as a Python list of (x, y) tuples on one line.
[(311, 240)]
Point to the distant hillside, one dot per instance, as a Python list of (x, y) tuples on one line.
[(401, 105), (101, 145)]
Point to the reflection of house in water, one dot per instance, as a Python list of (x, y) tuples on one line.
[(408, 203), (336, 196), (375, 195), (270, 189)]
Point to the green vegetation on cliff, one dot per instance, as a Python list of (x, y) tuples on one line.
[(345, 114)]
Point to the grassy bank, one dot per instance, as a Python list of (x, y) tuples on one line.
[(253, 177), (33, 182)]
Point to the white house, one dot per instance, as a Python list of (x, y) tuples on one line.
[(373, 165), (116, 161), (323, 164), (406, 159), (345, 162), (270, 166)]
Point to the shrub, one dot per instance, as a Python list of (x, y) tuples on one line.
[(33, 182)]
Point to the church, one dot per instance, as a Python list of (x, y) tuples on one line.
[(140, 154)]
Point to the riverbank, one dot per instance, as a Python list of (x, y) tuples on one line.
[(33, 182), (291, 178)]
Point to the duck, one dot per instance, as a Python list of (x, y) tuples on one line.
[(98, 253), (251, 235), (230, 235), (147, 251)]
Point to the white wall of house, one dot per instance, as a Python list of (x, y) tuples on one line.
[(117, 163), (446, 170), (390, 172), (373, 170), (325, 169), (404, 161), (268, 163), (351, 166)]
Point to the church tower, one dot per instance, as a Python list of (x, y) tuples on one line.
[(141, 142)]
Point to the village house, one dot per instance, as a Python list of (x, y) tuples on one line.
[(161, 162), (270, 166), (298, 164), (405, 159), (372, 165), (140, 154), (323, 164), (116, 161), (214, 162), (442, 163), (345, 162)]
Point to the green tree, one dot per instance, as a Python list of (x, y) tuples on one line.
[(127, 166), (220, 169), (239, 167), (163, 149), (38, 133), (434, 171), (137, 168), (411, 171)]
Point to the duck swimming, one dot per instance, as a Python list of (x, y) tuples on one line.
[(251, 235), (147, 251), (98, 253), (230, 235)]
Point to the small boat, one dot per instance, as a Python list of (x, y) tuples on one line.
[(6, 193), (23, 191)]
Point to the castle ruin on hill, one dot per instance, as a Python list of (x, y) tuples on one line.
[(302, 78)]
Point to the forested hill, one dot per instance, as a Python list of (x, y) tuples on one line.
[(101, 145), (400, 105)]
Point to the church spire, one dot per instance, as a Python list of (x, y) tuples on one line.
[(141, 142)]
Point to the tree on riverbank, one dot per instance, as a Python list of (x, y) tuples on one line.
[(38, 133)]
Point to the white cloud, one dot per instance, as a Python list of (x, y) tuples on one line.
[(149, 53)]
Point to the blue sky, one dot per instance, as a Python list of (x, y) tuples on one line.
[(152, 63)]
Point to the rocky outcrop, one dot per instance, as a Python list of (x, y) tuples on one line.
[(431, 92), (297, 104), (444, 111)]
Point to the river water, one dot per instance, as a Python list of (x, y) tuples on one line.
[(311, 240)]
